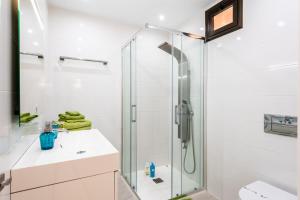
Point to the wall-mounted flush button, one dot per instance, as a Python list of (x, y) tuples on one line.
[(280, 125)]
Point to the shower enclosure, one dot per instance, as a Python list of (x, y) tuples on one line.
[(163, 108)]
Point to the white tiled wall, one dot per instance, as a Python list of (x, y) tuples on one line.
[(298, 144), (251, 72), (7, 121), (12, 141), (5, 74), (12, 145), (90, 88)]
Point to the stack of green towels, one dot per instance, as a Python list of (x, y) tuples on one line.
[(74, 121), (27, 117), (181, 197)]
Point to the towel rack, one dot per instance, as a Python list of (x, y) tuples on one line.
[(40, 56), (63, 58)]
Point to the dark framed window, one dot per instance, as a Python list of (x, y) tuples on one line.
[(223, 18)]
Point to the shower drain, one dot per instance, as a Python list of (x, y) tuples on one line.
[(157, 180)]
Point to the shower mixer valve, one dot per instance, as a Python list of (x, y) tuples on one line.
[(184, 112)]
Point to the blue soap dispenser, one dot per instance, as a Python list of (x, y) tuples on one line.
[(152, 170), (47, 137)]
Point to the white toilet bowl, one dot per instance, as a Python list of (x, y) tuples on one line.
[(263, 191)]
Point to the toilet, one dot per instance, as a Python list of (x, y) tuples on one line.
[(262, 191)]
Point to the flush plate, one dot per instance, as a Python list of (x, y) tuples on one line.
[(280, 125)]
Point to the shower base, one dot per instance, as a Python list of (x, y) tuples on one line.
[(147, 189)]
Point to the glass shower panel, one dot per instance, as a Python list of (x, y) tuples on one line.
[(154, 112), (126, 136), (192, 149), (176, 142), (187, 151), (133, 86), (129, 115)]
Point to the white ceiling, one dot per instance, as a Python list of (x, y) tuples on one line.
[(137, 12)]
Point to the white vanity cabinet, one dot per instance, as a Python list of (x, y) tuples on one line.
[(82, 166), (91, 188)]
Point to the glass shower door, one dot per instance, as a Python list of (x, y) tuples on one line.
[(129, 115)]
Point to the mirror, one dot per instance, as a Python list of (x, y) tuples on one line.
[(63, 68), (32, 63)]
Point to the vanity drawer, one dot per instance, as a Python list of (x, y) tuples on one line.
[(39, 176), (91, 188)]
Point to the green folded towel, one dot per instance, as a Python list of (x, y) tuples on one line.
[(75, 120), (76, 125), (27, 119), (25, 115), (82, 129), (64, 117), (73, 113)]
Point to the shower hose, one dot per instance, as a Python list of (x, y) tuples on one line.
[(191, 131)]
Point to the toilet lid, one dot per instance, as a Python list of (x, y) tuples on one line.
[(248, 195), (260, 190)]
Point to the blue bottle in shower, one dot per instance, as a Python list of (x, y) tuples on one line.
[(152, 170)]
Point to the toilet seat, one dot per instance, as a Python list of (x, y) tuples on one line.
[(263, 191)]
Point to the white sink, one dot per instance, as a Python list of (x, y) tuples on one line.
[(75, 155)]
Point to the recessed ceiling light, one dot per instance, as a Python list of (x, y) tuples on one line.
[(35, 43), (219, 45), (280, 23), (29, 31), (161, 17), (238, 38), (201, 28)]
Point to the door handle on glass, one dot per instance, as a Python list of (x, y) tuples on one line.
[(176, 115), (133, 113), (4, 182)]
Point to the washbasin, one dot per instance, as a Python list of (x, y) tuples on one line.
[(75, 155)]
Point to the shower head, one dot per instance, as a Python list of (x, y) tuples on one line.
[(168, 48)]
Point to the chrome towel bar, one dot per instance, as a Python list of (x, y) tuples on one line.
[(40, 56), (63, 58)]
